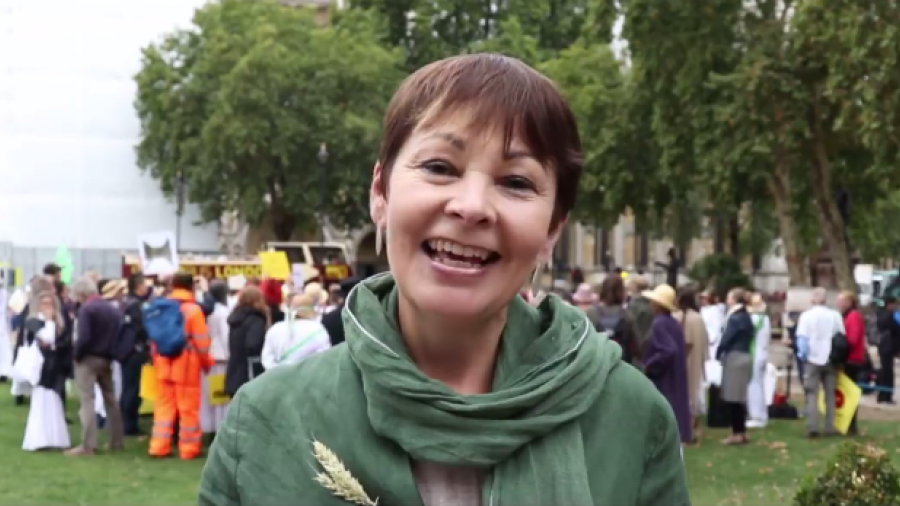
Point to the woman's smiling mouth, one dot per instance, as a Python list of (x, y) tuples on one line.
[(459, 256)]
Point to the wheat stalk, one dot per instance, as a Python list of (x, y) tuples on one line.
[(338, 479)]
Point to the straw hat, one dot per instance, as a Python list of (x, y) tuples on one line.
[(584, 295), (664, 295), (113, 288), (304, 306), (757, 304), (317, 292)]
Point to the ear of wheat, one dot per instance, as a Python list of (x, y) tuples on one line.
[(337, 479)]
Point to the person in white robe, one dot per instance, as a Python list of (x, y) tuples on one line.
[(212, 416), (6, 353), (17, 303), (46, 427), (757, 401), (713, 314), (300, 335)]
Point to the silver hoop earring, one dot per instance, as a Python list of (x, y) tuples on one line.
[(378, 241)]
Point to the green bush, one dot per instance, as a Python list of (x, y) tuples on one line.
[(719, 273), (860, 475)]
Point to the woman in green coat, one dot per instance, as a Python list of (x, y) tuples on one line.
[(451, 389)]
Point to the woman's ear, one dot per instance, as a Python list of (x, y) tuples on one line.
[(546, 252), (377, 198)]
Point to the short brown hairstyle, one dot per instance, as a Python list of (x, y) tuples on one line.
[(612, 290), (850, 296), (183, 280), (495, 90), (252, 297)]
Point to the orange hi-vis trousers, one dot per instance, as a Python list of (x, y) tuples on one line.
[(181, 403), (179, 379)]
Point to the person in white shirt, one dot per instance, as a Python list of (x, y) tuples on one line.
[(757, 404), (816, 328), (297, 337), (211, 417), (713, 315)]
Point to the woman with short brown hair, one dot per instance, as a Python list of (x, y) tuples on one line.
[(452, 389), (247, 324)]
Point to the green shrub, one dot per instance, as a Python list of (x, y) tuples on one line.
[(719, 273), (859, 475)]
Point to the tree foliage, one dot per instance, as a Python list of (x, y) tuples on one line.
[(430, 30), (239, 104), (785, 101)]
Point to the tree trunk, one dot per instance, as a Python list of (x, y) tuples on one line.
[(282, 225), (779, 185), (734, 234), (719, 235), (827, 213)]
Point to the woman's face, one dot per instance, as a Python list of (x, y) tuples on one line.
[(465, 221)]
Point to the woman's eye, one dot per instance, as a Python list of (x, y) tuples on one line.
[(518, 183), (438, 168)]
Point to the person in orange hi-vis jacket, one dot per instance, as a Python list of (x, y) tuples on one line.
[(179, 380)]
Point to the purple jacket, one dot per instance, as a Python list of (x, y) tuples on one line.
[(98, 328), (666, 365)]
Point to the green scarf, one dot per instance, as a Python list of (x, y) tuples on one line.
[(551, 369)]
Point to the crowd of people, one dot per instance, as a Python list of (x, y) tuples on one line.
[(673, 336), (688, 342), (96, 335), (241, 328)]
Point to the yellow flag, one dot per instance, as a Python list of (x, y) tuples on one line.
[(275, 265), (149, 385), (149, 389), (846, 399), (217, 396)]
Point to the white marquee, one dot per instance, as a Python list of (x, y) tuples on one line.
[(68, 127)]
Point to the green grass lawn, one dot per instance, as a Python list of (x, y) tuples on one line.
[(769, 470), (766, 472)]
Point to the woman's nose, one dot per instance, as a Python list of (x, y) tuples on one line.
[(473, 201)]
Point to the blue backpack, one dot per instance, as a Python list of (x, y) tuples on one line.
[(164, 323)]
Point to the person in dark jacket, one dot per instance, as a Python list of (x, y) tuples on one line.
[(247, 325), (64, 346), (98, 328), (332, 320), (610, 316), (640, 314), (737, 363), (130, 399), (665, 360), (888, 347)]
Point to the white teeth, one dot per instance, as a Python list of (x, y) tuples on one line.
[(458, 249), (461, 264)]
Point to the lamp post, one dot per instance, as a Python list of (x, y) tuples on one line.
[(323, 160), (179, 209)]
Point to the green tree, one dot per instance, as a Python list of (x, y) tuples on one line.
[(429, 30), (763, 101), (239, 105), (619, 155)]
